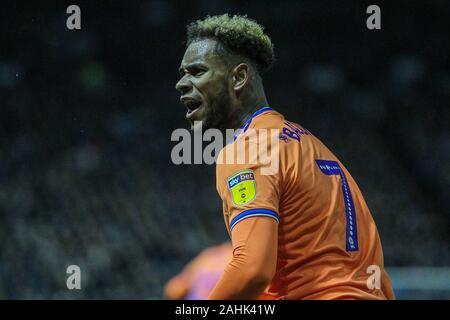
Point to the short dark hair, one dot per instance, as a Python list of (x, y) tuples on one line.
[(238, 34)]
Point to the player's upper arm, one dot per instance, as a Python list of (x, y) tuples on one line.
[(247, 192), (255, 241), (251, 205), (253, 264)]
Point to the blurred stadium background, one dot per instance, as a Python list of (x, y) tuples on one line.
[(86, 118)]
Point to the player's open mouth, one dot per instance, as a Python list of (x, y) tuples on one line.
[(192, 106)]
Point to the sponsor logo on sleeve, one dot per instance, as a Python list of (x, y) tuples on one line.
[(242, 186)]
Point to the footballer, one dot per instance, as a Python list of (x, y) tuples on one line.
[(303, 232)]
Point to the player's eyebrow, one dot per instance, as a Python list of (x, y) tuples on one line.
[(195, 65)]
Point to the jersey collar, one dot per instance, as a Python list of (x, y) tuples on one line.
[(249, 121)]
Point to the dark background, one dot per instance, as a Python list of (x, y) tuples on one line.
[(86, 117)]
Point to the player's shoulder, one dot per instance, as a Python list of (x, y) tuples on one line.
[(265, 127), (273, 119), (276, 124), (269, 119)]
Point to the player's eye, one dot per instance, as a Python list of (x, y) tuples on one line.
[(198, 72)]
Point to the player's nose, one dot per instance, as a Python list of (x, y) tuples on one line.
[(183, 86)]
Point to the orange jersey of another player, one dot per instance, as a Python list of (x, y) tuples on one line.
[(326, 243), (198, 278)]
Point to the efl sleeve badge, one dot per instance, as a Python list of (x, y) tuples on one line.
[(242, 186)]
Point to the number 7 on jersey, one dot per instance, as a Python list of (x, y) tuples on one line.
[(332, 168)]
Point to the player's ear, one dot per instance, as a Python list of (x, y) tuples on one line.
[(240, 76)]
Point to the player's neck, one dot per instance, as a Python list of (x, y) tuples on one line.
[(250, 107), (245, 105)]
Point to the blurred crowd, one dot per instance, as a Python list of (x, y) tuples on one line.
[(86, 118)]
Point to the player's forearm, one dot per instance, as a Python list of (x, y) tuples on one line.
[(240, 281), (254, 260)]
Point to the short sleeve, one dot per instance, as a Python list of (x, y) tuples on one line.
[(246, 189)]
